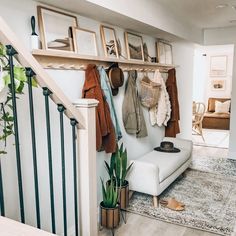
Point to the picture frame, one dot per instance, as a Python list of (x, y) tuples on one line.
[(84, 41), (164, 53), (134, 46), (52, 36), (218, 85), (218, 66), (109, 41)]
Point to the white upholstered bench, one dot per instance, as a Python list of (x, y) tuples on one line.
[(155, 171)]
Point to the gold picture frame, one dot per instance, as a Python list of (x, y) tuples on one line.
[(52, 36), (164, 53), (84, 41), (134, 46), (109, 41)]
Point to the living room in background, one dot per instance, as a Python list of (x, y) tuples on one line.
[(212, 86)]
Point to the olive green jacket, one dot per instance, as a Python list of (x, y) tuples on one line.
[(132, 112)]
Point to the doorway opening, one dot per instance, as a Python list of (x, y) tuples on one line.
[(212, 86)]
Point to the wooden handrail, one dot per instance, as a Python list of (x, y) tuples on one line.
[(8, 37), (11, 227)]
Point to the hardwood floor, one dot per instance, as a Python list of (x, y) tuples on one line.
[(143, 226)]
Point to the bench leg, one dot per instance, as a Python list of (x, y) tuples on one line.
[(131, 194), (155, 201)]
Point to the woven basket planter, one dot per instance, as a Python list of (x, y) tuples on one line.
[(110, 217)]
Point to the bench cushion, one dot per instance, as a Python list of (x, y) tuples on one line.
[(166, 165)]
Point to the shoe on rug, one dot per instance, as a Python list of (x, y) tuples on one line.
[(172, 204)]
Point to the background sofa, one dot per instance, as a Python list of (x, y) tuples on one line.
[(212, 120)]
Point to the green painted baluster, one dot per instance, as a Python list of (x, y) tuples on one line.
[(61, 110), (30, 74), (73, 123), (11, 52), (46, 93), (2, 205)]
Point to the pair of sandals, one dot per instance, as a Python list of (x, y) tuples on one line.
[(173, 204)]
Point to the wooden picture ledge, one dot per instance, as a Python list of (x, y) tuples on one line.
[(55, 59)]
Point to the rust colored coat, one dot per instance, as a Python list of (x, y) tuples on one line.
[(105, 133), (172, 127)]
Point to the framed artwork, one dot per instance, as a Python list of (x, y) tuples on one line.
[(134, 46), (108, 36), (164, 53), (55, 29), (84, 41), (218, 85), (218, 66)]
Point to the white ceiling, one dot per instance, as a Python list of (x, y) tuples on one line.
[(203, 13)]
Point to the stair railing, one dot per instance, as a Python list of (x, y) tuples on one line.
[(82, 121)]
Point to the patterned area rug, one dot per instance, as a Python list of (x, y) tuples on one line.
[(209, 193)]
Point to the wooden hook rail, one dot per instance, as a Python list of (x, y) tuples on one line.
[(52, 59)]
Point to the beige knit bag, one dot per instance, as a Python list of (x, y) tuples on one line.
[(149, 93)]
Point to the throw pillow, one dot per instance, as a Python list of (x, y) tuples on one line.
[(222, 107)]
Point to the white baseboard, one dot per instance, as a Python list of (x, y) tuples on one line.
[(232, 155)]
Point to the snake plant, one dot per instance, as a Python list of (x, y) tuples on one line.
[(110, 194), (118, 169)]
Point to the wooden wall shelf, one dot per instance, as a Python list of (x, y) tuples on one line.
[(52, 59)]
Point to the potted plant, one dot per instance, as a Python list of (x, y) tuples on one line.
[(6, 110), (110, 210), (118, 171)]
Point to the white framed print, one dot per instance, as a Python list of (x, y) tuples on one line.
[(85, 42), (55, 28), (109, 41), (218, 85), (134, 46), (218, 66), (164, 53)]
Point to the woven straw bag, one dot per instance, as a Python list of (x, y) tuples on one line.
[(149, 93)]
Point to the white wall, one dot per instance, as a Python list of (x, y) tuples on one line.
[(202, 89), (183, 56), (220, 36), (18, 14), (232, 146), (153, 13), (199, 75)]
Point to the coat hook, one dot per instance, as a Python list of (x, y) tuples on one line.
[(72, 67), (62, 66)]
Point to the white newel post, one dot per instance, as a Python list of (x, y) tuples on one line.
[(87, 168)]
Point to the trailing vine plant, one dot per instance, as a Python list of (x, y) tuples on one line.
[(6, 109)]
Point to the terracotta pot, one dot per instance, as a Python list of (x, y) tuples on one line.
[(124, 196), (110, 217)]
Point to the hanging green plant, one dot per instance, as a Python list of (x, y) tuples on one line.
[(6, 110)]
